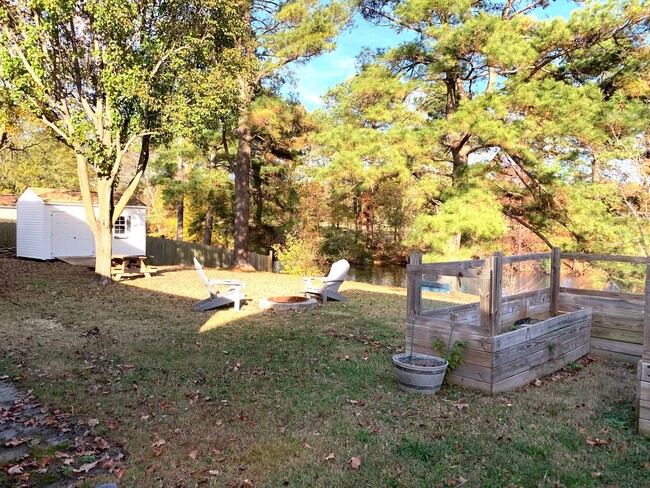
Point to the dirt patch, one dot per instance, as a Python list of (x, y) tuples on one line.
[(44, 447)]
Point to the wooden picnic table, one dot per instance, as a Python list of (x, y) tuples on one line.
[(122, 264)]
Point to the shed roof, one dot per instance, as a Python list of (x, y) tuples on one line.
[(54, 195), (8, 200)]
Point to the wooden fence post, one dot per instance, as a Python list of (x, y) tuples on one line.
[(556, 262), (643, 371), (646, 316), (414, 287), (485, 295), (496, 292)]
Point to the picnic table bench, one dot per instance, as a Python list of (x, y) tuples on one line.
[(130, 265)]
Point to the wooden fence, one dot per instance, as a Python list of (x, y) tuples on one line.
[(169, 252), (8, 234), (166, 252)]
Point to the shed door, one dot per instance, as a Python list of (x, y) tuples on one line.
[(71, 236)]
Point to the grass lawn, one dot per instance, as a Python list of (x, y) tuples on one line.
[(289, 399)]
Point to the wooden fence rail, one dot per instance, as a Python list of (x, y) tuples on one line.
[(166, 252), (8, 234)]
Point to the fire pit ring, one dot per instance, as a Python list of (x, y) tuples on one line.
[(288, 303)]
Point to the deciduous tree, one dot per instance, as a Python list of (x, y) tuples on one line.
[(104, 74)]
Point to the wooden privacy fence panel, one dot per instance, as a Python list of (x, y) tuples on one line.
[(617, 324), (166, 252), (8, 234)]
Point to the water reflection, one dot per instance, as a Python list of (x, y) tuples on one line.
[(385, 275), (513, 282)]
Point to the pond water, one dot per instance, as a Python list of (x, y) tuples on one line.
[(392, 275)]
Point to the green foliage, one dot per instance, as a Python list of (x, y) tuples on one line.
[(453, 353), (299, 256), (574, 367), (35, 158), (474, 217), (535, 110), (102, 75), (341, 243)]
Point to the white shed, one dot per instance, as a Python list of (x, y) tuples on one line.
[(52, 223), (8, 208)]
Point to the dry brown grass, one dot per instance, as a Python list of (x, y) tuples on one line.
[(268, 397)]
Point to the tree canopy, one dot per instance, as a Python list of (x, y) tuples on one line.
[(102, 75)]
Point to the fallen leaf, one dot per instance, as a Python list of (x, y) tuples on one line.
[(194, 454), (113, 426), (596, 474), (119, 473), (329, 456), (84, 468), (355, 462), (93, 422), (214, 472), (15, 442), (101, 443), (537, 383), (157, 447), (597, 442), (17, 469)]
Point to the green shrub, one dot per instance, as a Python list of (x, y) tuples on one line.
[(299, 256), (338, 243)]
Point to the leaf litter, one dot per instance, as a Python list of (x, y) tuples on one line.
[(39, 444)]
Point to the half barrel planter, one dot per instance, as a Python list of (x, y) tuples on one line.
[(420, 373)]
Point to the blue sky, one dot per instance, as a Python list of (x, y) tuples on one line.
[(322, 73)]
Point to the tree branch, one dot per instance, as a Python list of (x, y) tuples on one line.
[(529, 227)]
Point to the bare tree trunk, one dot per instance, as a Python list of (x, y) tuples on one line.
[(595, 171), (242, 198), (209, 222), (258, 196), (180, 209), (103, 232), (99, 218)]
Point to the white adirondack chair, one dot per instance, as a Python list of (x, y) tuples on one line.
[(329, 285), (217, 299)]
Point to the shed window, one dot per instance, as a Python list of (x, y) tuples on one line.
[(122, 227)]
